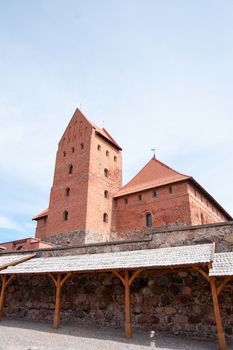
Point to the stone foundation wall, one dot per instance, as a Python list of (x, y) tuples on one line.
[(221, 234), (178, 303)]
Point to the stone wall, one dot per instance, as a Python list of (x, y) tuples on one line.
[(178, 303), (221, 234)]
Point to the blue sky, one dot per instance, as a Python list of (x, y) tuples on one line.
[(158, 73)]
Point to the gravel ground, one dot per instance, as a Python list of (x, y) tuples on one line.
[(25, 335)]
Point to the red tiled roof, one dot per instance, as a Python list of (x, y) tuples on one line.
[(103, 132), (154, 174), (41, 215)]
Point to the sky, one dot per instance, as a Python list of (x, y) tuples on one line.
[(156, 73)]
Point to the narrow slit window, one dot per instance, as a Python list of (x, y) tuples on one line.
[(67, 192), (139, 197), (126, 201), (105, 217), (70, 170), (72, 149), (106, 172), (154, 194), (65, 215), (170, 189), (106, 194), (115, 159), (107, 153), (148, 220), (81, 145), (99, 148)]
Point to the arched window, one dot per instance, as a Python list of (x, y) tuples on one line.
[(105, 217), (106, 194), (67, 191), (65, 215), (70, 170), (99, 148), (107, 154), (106, 172), (148, 220), (115, 159)]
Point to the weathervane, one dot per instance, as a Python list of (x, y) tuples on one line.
[(153, 150)]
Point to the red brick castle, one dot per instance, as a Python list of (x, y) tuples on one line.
[(87, 194)]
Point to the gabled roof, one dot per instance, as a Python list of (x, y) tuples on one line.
[(43, 214), (100, 132), (154, 174)]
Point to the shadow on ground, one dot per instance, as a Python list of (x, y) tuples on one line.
[(140, 338)]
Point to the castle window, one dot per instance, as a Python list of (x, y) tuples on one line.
[(115, 159), (72, 149), (67, 191), (148, 220), (64, 153), (107, 154), (126, 200), (70, 170), (106, 172), (170, 189), (105, 217), (20, 247), (154, 194), (106, 194), (139, 197), (202, 219), (81, 145), (65, 215), (99, 148)]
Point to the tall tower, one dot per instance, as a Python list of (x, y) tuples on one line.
[(88, 173)]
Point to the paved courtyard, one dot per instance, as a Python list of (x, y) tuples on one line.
[(26, 335)]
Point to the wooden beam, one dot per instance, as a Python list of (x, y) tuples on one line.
[(222, 285), (221, 335), (5, 281), (58, 282), (134, 275)]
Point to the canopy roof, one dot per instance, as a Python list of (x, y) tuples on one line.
[(222, 265), (11, 260), (149, 258)]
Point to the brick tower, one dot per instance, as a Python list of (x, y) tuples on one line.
[(88, 173)]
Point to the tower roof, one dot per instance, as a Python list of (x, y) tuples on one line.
[(154, 174)]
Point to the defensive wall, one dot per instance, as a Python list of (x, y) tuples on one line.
[(178, 302)]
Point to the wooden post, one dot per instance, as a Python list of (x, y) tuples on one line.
[(221, 335), (128, 321), (127, 281), (59, 281), (56, 318), (5, 281)]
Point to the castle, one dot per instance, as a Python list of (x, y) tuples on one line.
[(87, 194), (162, 229)]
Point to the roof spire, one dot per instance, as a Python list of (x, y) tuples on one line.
[(153, 150)]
